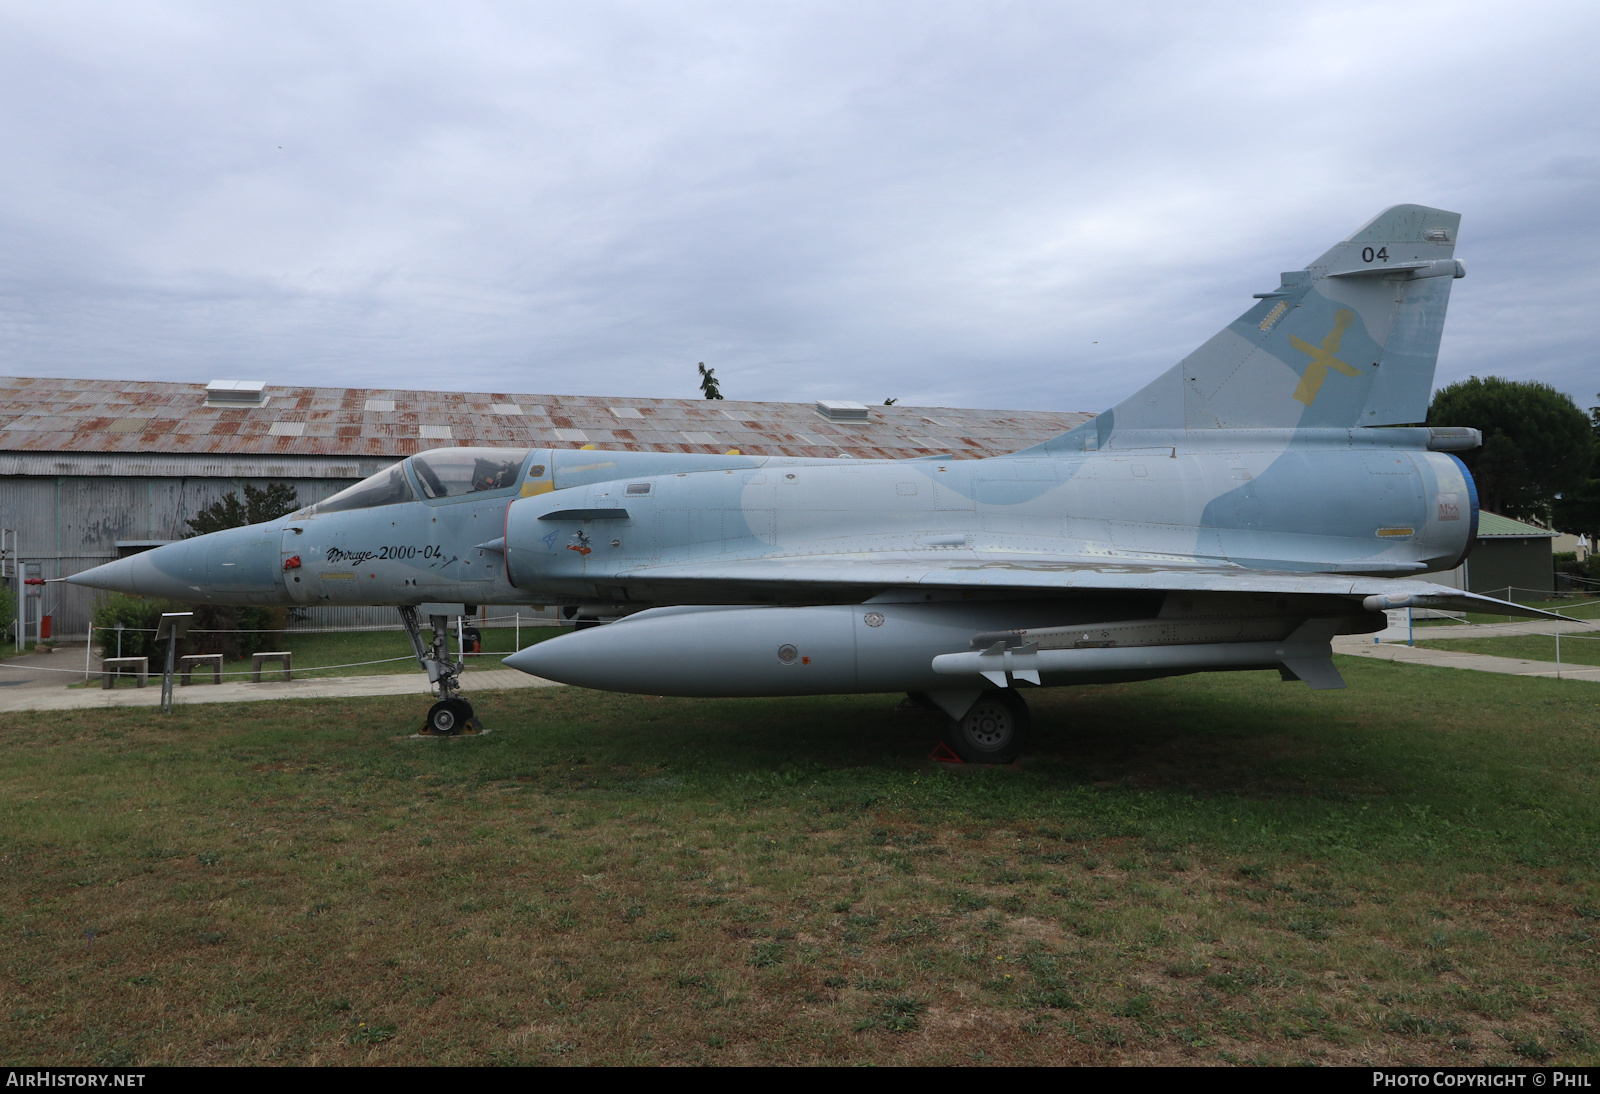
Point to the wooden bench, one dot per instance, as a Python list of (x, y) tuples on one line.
[(259, 659), (112, 667), (190, 662)]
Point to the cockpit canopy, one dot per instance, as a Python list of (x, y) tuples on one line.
[(442, 473), (387, 487), (451, 472)]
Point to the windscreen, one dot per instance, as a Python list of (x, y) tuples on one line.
[(451, 472), (387, 487)]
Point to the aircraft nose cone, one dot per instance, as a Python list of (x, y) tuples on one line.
[(175, 571), (234, 566), (115, 576)]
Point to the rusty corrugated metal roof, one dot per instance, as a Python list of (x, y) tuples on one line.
[(113, 416)]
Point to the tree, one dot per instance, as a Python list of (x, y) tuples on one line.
[(1578, 510), (708, 382), (1537, 444), (277, 500)]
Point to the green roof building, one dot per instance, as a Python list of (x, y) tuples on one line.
[(1509, 559)]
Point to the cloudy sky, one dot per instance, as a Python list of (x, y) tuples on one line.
[(1035, 205)]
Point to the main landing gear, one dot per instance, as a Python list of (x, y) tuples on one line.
[(993, 730), (451, 714)]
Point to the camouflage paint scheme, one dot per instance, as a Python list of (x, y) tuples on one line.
[(1262, 495)]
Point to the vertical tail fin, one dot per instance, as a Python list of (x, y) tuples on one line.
[(1351, 340)]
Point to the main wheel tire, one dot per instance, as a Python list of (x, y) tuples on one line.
[(994, 731), (448, 717)]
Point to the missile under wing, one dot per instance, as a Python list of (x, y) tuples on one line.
[(1260, 497)]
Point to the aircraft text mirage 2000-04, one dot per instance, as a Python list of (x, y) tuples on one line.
[(1246, 506)]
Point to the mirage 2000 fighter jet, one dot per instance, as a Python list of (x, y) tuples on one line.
[(1268, 492)]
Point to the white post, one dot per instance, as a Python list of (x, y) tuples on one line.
[(86, 651), (1411, 628), (517, 642), (1558, 654)]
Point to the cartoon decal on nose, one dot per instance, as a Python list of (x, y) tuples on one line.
[(580, 543)]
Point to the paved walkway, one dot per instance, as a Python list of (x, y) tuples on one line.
[(1361, 645)]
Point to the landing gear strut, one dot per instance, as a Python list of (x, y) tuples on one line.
[(451, 714)]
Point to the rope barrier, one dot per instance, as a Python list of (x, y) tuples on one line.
[(37, 668)]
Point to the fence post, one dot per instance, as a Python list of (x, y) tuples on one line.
[(88, 648), (516, 643)]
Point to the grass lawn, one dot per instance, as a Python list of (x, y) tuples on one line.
[(1575, 649), (1220, 868)]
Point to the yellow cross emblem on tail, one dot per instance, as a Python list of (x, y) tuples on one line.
[(1322, 358)]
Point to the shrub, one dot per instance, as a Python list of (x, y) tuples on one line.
[(139, 616)]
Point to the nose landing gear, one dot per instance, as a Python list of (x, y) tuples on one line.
[(451, 714), (448, 717)]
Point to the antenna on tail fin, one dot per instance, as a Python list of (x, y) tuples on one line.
[(1351, 340)]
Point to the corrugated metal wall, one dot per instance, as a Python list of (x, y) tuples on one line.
[(70, 524)]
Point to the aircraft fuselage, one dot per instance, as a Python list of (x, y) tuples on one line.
[(589, 526)]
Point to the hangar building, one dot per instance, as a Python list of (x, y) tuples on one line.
[(94, 469)]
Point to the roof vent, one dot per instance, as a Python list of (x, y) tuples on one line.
[(236, 393), (836, 410)]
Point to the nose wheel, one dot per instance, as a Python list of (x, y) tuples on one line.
[(448, 717), (451, 714)]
